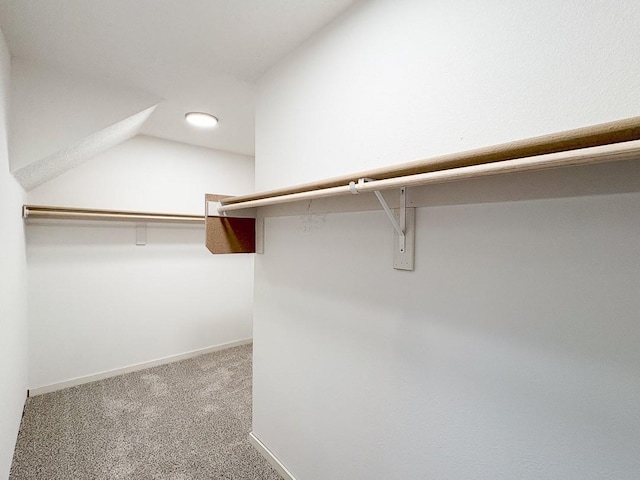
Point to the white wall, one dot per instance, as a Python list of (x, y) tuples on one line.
[(399, 81), (99, 302), (511, 350), (13, 288)]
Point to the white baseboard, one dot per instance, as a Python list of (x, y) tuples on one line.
[(270, 457), (133, 368)]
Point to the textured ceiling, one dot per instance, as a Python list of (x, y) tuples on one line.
[(45, 169), (196, 54)]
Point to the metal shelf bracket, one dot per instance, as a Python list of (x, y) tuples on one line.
[(403, 251)]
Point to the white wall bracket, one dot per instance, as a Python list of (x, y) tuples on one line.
[(405, 222), (141, 234), (403, 260), (398, 227)]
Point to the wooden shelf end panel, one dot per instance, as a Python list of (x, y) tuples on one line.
[(230, 235)]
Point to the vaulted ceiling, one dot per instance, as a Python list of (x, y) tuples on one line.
[(187, 55)]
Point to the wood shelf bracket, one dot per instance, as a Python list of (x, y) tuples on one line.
[(228, 234)]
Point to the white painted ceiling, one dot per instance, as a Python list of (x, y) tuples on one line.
[(202, 55)]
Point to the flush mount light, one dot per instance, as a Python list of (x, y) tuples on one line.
[(201, 119)]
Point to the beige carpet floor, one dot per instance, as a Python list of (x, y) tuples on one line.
[(183, 421)]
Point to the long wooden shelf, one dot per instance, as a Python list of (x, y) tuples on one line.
[(572, 158), (581, 138), (68, 213)]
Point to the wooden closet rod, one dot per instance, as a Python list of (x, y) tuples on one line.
[(602, 134), (584, 156), (65, 213)]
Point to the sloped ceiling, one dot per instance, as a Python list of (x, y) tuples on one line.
[(36, 173), (58, 120), (202, 55)]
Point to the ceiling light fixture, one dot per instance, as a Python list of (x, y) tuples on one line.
[(201, 119)]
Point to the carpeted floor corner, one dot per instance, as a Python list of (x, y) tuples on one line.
[(183, 421)]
